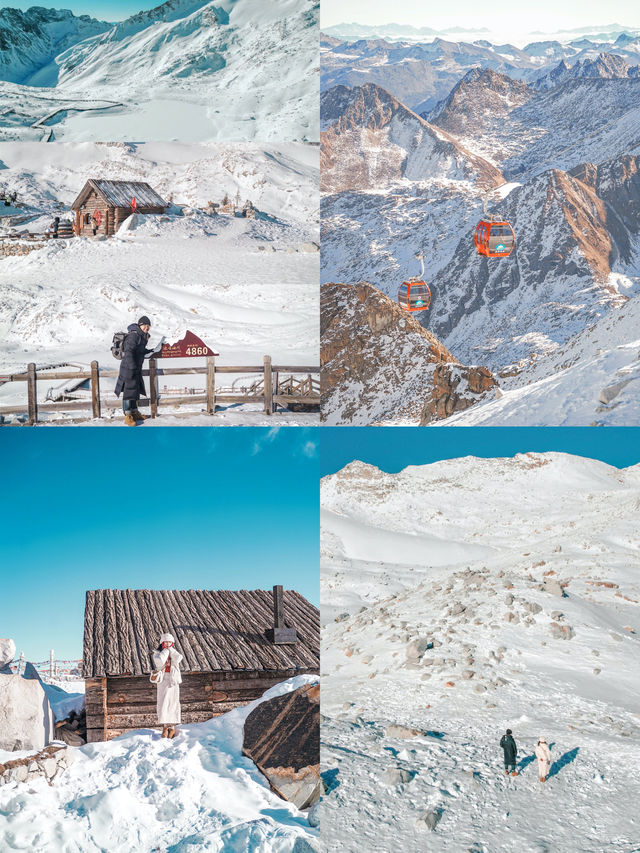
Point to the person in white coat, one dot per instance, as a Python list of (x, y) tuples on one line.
[(543, 754), (167, 678)]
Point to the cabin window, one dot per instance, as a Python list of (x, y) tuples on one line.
[(87, 219)]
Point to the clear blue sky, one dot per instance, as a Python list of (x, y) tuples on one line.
[(174, 508), (103, 10), (393, 448)]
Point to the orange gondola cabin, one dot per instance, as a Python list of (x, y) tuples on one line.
[(415, 294), (494, 238)]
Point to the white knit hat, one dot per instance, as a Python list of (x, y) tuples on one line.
[(167, 638)]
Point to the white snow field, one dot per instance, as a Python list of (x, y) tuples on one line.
[(190, 71), (140, 792), (247, 287), (507, 596)]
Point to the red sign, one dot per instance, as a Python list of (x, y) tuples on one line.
[(188, 347)]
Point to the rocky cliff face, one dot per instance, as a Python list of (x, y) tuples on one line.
[(378, 363), (375, 140), (481, 99), (29, 40), (606, 65), (559, 278)]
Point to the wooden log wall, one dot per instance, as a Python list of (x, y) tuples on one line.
[(112, 217), (125, 703)]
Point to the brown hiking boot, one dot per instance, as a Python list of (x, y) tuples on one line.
[(138, 416), (514, 773), (129, 419), (172, 732), (165, 731)]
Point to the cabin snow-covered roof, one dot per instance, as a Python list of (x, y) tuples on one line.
[(120, 193), (214, 630)]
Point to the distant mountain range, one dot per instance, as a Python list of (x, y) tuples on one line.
[(421, 74)]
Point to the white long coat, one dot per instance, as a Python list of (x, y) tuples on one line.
[(168, 701), (543, 754)]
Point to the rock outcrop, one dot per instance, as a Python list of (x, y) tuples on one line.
[(26, 719), (379, 363), (282, 737)]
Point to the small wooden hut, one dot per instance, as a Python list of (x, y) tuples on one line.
[(235, 645), (104, 205)]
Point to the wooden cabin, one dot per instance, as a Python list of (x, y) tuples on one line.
[(235, 645), (106, 204)]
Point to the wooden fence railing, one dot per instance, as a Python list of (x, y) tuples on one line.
[(279, 387)]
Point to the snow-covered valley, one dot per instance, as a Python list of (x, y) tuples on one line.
[(143, 792), (247, 287), (462, 598), (189, 70)]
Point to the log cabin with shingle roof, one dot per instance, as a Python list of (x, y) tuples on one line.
[(108, 203), (235, 645)]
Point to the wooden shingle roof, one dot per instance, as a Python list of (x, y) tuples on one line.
[(120, 193), (215, 630)]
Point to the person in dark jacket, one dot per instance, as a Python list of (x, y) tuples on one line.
[(54, 227), (510, 750), (130, 382)]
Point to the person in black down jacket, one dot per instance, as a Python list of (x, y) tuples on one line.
[(130, 382), (510, 750)]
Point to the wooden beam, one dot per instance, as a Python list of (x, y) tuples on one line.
[(32, 393), (211, 385), (153, 388), (95, 390), (268, 386)]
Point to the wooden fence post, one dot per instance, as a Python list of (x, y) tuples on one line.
[(153, 388), (95, 390), (268, 386), (277, 387), (32, 393), (211, 385)]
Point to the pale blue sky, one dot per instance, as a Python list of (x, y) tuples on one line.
[(168, 508), (103, 10), (545, 15)]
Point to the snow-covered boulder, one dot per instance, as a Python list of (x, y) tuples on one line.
[(7, 651), (26, 719), (282, 737)]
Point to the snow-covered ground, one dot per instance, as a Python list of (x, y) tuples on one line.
[(520, 576), (189, 71), (246, 287), (142, 792)]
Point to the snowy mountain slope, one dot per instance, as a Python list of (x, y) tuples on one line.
[(592, 379), (280, 180), (524, 132), (189, 70), (32, 39), (566, 271), (240, 284), (537, 632), (196, 792), (376, 140)]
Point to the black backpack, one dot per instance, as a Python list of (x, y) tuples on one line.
[(117, 350)]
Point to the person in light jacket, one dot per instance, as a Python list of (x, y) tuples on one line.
[(543, 755), (166, 660)]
